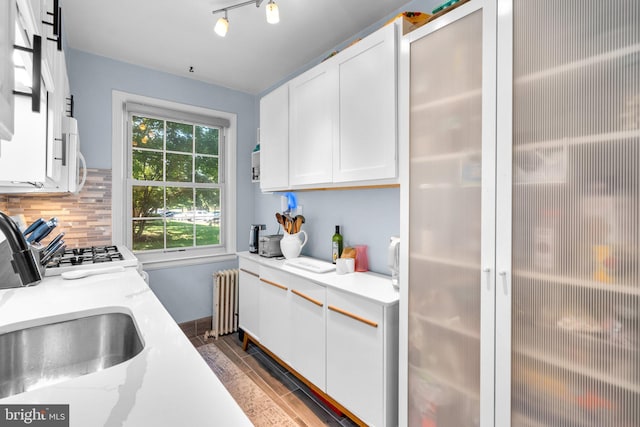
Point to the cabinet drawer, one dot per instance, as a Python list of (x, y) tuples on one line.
[(275, 278), (356, 309), (249, 267)]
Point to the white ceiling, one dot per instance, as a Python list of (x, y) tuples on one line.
[(173, 35)]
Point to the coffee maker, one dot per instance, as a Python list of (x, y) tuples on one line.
[(393, 260), (254, 237)]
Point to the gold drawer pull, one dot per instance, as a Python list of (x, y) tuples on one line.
[(277, 285), (249, 272), (307, 297), (354, 316)]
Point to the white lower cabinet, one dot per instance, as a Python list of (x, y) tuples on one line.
[(307, 319), (359, 372), (248, 304), (274, 308), (340, 333)]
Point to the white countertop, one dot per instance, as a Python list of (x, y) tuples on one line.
[(373, 286), (167, 384)]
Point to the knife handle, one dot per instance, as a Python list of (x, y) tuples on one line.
[(54, 241), (35, 224)]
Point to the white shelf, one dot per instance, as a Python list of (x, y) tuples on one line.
[(439, 103), (578, 282), (448, 324), (446, 261), (580, 140), (446, 383), (573, 367), (576, 65), (522, 420), (456, 155)]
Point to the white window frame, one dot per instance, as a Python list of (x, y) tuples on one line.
[(121, 199)]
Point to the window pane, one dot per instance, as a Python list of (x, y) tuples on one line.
[(147, 133), (179, 137), (148, 234), (146, 201), (206, 169), (180, 203), (207, 140), (179, 167), (207, 216), (179, 234), (146, 165)]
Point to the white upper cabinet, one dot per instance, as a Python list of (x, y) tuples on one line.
[(23, 159), (366, 146), (274, 139), (34, 158), (7, 29), (342, 120), (313, 125)]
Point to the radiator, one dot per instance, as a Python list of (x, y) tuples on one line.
[(225, 303)]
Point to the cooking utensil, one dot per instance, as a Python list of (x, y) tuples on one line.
[(298, 221)]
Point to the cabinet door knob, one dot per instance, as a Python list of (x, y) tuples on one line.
[(487, 272), (354, 316), (505, 283)]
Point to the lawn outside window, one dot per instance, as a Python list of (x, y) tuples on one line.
[(176, 188)]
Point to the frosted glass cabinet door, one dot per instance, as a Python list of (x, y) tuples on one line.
[(444, 301), (575, 245)]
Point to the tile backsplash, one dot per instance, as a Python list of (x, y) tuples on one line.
[(85, 218)]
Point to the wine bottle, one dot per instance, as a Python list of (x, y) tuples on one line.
[(336, 245)]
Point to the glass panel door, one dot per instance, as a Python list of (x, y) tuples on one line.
[(575, 329), (445, 225)]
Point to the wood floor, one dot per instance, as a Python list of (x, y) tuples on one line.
[(284, 389)]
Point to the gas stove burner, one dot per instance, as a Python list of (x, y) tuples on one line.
[(92, 255), (88, 257)]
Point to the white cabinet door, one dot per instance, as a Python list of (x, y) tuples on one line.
[(248, 298), (274, 140), (366, 147), (308, 349), (7, 28), (355, 348), (23, 158), (275, 326), (313, 125)]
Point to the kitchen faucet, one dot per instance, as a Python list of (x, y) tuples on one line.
[(20, 261)]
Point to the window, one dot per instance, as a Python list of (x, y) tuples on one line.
[(177, 189)]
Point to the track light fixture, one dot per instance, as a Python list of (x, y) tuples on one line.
[(222, 25)]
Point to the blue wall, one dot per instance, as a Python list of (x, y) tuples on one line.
[(366, 217), (185, 291)]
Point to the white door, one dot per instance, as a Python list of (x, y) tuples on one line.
[(313, 125), (569, 237), (275, 324), (355, 349), (448, 195), (274, 139), (308, 330), (366, 146), (248, 298), (7, 28)]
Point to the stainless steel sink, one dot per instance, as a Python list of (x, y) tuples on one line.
[(46, 354)]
